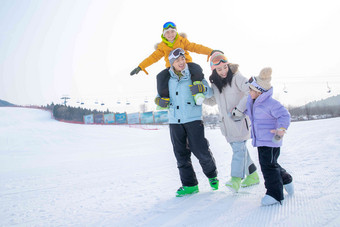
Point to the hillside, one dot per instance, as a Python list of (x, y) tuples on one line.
[(5, 103), (331, 101)]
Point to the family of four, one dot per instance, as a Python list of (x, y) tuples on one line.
[(246, 109)]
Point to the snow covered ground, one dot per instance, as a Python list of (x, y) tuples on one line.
[(60, 174)]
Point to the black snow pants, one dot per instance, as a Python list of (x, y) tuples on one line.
[(164, 76), (274, 175), (191, 134)]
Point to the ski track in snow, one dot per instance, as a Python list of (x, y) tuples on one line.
[(60, 174)]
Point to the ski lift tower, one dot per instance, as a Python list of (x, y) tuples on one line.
[(65, 99)]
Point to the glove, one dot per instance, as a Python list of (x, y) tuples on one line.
[(212, 52), (162, 102), (278, 134), (197, 87), (237, 115), (135, 71), (280, 131)]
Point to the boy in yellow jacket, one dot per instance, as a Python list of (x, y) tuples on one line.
[(170, 41)]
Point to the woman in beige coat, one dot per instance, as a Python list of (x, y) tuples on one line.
[(231, 90)]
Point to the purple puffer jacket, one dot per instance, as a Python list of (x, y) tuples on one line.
[(266, 114)]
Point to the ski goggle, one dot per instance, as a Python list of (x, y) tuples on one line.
[(252, 81), (218, 59), (169, 24), (176, 53)]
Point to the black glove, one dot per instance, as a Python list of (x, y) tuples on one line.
[(135, 71), (197, 88), (162, 102), (212, 52)]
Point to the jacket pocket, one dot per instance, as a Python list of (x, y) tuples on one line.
[(192, 110)]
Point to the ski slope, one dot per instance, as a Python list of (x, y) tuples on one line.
[(61, 174)]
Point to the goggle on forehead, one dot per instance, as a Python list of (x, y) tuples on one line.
[(169, 24), (176, 53), (253, 82), (218, 59), (251, 79)]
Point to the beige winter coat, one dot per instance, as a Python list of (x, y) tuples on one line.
[(231, 97)]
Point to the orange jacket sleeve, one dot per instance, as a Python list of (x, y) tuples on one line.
[(197, 48), (153, 58)]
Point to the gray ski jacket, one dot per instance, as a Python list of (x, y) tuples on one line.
[(231, 97)]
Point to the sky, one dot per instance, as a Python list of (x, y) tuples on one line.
[(86, 49), (60, 174)]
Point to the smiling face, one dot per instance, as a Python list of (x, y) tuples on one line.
[(170, 35), (222, 69), (179, 64)]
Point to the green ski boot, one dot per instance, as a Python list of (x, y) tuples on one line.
[(186, 190), (251, 180), (234, 184), (214, 183)]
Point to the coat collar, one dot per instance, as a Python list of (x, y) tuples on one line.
[(264, 96), (169, 44), (185, 72)]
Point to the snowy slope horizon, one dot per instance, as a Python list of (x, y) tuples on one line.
[(60, 174), (330, 101)]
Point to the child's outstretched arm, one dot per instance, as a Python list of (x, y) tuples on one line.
[(197, 48), (153, 58)]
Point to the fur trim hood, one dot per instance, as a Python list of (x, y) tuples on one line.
[(184, 35)]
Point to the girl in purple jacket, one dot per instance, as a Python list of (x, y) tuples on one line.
[(269, 122)]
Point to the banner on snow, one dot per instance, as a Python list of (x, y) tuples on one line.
[(88, 119), (133, 118), (99, 118), (161, 117), (146, 118), (109, 118), (121, 118)]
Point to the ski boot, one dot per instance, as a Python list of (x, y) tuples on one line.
[(234, 184), (250, 180), (267, 200), (214, 183), (289, 188), (187, 190)]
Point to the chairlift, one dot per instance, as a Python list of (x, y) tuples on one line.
[(285, 89), (127, 101), (329, 89)]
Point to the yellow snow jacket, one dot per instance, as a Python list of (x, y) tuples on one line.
[(164, 48)]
